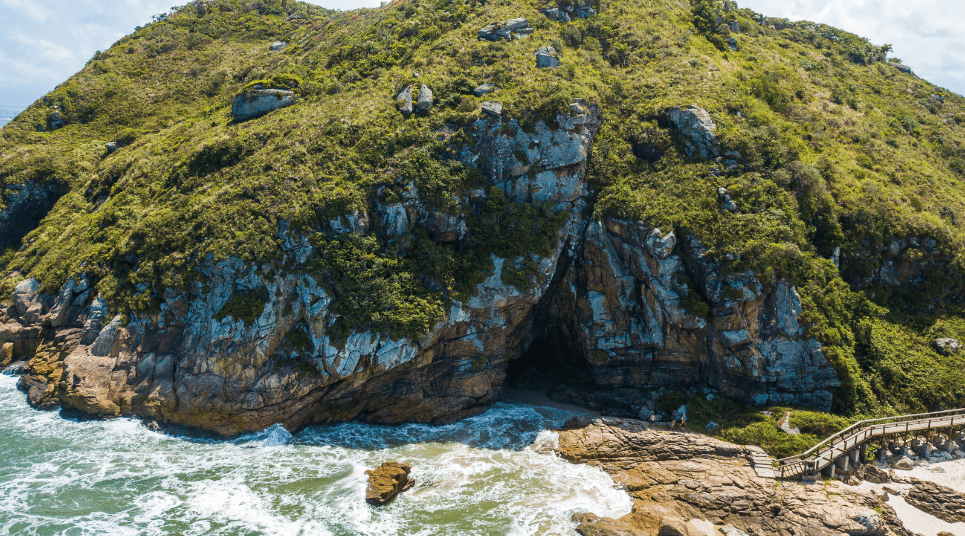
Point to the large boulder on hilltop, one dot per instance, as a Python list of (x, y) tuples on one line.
[(258, 102), (698, 130)]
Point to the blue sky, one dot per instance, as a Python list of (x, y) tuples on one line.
[(43, 42)]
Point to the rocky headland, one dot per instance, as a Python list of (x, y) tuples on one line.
[(684, 484)]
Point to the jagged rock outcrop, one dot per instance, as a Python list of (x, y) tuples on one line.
[(425, 98), (22, 208), (567, 11), (187, 366), (386, 482), (617, 297), (258, 102), (698, 130), (947, 346), (511, 29), (940, 501), (547, 58), (404, 101), (686, 483), (620, 314)]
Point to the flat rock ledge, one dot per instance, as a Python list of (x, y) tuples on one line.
[(386, 482), (684, 483), (940, 501)]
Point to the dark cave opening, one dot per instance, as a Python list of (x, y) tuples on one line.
[(540, 367)]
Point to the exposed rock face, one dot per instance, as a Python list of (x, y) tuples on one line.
[(510, 29), (277, 45), (258, 102), (386, 482), (566, 11), (547, 58), (425, 98), (946, 346), (620, 309), (940, 501), (56, 120), (183, 367), (404, 101), (611, 293), (484, 89), (697, 128), (23, 208), (681, 482)]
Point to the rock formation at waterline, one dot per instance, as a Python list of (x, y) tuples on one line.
[(610, 292), (686, 484)]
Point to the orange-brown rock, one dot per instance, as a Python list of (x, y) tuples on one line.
[(682, 482), (386, 482)]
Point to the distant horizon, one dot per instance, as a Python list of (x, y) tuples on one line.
[(42, 44)]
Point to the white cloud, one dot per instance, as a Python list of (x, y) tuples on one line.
[(925, 34)]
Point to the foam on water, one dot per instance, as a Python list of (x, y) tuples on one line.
[(486, 475)]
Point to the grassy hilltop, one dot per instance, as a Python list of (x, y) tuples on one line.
[(838, 149)]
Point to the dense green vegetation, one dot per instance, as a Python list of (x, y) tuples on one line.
[(836, 150)]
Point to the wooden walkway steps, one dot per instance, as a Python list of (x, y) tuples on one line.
[(855, 436)]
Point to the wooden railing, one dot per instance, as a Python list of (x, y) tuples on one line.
[(826, 452)]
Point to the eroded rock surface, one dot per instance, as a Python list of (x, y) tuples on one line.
[(22, 208), (258, 102), (940, 501), (621, 310), (682, 481), (386, 482), (610, 295), (698, 129)]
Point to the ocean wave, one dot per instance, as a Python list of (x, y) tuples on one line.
[(488, 474)]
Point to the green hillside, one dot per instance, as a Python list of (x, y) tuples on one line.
[(829, 147)]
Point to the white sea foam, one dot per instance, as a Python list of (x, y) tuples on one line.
[(489, 474)]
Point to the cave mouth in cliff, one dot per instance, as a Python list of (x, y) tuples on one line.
[(540, 367)]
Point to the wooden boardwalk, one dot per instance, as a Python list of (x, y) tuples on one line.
[(846, 441)]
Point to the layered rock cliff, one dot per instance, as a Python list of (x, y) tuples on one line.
[(610, 295)]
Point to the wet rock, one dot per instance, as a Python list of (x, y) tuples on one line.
[(940, 501), (679, 480), (258, 102), (277, 45), (547, 58), (386, 482), (425, 98), (16, 368), (484, 89), (404, 101), (947, 346), (698, 130)]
